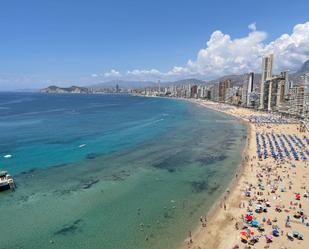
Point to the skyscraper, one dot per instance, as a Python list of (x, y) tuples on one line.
[(223, 86), (306, 96), (250, 87), (286, 84), (273, 92), (247, 89), (267, 67)]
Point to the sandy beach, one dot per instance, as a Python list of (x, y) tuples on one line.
[(266, 205)]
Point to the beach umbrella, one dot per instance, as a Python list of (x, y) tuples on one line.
[(297, 215), (249, 217), (244, 238), (254, 223), (275, 232), (269, 238), (258, 209), (300, 236), (259, 206), (290, 236), (261, 228)]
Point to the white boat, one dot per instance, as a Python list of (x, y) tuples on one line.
[(82, 145), (6, 181), (8, 156)]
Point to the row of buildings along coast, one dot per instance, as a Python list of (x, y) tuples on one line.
[(264, 91)]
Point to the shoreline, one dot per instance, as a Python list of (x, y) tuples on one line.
[(223, 229), (216, 208)]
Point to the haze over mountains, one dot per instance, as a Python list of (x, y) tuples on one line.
[(142, 84), (235, 79)]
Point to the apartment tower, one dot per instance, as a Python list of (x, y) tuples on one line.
[(267, 67)]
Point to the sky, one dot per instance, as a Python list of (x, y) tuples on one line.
[(83, 42)]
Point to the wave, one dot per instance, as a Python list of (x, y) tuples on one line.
[(34, 113), (4, 124), (147, 123), (17, 101)]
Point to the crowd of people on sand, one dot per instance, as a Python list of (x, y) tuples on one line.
[(265, 195), (276, 170), (273, 209)]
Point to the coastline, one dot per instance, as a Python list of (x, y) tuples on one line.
[(222, 229), (216, 211), (175, 210), (214, 215)]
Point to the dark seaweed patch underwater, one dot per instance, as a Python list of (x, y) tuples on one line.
[(149, 168)]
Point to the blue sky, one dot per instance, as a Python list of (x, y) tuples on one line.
[(79, 42)]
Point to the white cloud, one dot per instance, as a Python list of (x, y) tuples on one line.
[(225, 55), (292, 50), (221, 55), (112, 74), (252, 26), (152, 74)]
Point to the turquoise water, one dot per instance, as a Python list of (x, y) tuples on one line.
[(149, 168)]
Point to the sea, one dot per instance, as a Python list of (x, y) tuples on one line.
[(111, 171)]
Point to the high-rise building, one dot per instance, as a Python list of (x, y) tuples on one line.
[(306, 97), (223, 86), (273, 92), (250, 87), (232, 95), (299, 99), (215, 92), (296, 101), (287, 83), (193, 93), (267, 67), (247, 90)]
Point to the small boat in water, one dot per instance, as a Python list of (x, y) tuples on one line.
[(6, 181), (8, 156), (82, 145)]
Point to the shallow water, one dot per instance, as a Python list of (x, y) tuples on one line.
[(149, 168)]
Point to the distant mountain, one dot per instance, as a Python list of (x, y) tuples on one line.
[(144, 84), (304, 68), (297, 77), (237, 80), (72, 89), (185, 82), (123, 84)]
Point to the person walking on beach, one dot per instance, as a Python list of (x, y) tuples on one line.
[(190, 236)]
